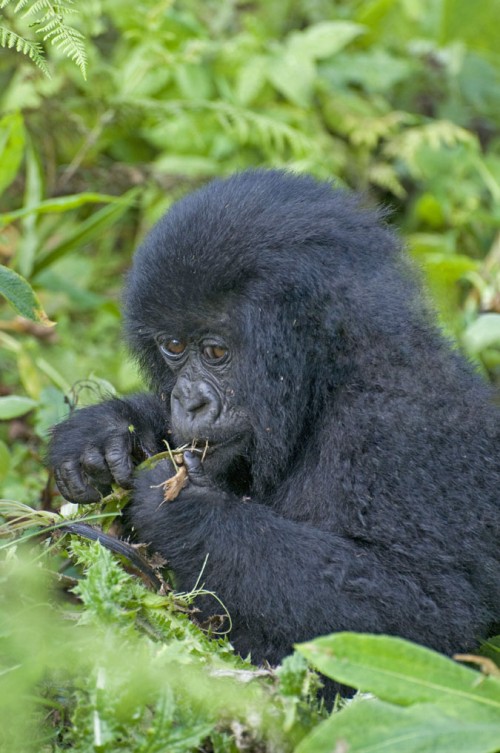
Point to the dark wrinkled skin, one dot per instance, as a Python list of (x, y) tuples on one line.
[(353, 468)]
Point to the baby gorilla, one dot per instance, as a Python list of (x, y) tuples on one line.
[(352, 473)]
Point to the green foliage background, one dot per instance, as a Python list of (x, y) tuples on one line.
[(112, 109)]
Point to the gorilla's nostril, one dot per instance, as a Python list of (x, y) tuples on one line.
[(196, 401)]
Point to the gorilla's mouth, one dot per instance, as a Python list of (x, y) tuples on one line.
[(206, 447)]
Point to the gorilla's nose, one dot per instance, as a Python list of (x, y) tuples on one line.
[(199, 399), (195, 403)]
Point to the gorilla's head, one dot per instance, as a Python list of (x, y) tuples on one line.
[(240, 307)]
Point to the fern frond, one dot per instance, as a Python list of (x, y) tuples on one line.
[(56, 9), (33, 50), (18, 6), (53, 28), (71, 43), (436, 135), (384, 175), (243, 124), (251, 127), (46, 26)]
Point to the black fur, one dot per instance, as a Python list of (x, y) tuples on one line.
[(366, 494)]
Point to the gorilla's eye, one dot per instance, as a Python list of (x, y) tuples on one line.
[(172, 348), (214, 353)]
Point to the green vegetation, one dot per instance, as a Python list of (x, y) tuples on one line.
[(109, 110)]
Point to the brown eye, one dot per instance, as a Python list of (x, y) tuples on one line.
[(173, 348), (214, 352)]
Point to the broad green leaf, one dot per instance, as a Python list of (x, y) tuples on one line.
[(370, 726), (21, 296), (324, 39), (251, 78), (398, 671), (194, 82), (59, 204), (138, 73), (293, 76), (14, 406), (483, 333), (293, 71), (376, 70), (12, 140)]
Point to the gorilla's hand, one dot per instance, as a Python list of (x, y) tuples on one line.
[(186, 528), (101, 444), (150, 485)]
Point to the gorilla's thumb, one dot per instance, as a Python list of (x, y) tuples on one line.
[(195, 469)]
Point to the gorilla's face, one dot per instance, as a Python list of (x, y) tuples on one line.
[(205, 407)]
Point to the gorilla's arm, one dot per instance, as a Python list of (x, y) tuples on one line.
[(101, 445), (283, 581)]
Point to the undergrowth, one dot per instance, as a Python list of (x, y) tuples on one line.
[(94, 660)]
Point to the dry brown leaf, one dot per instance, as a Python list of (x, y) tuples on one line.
[(173, 486)]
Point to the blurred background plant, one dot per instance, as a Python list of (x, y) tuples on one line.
[(112, 109)]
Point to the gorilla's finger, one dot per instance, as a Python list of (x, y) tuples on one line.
[(61, 484), (94, 465), (195, 469), (120, 461), (74, 486)]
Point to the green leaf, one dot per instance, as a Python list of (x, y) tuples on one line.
[(194, 81), (293, 76), (11, 148), (50, 24), (14, 406), (449, 269), (251, 78), (34, 50), (86, 231), (483, 333), (491, 649), (21, 296), (399, 671), (292, 71), (59, 204), (4, 460), (186, 164), (370, 726), (376, 70), (33, 195), (29, 374), (324, 39)]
